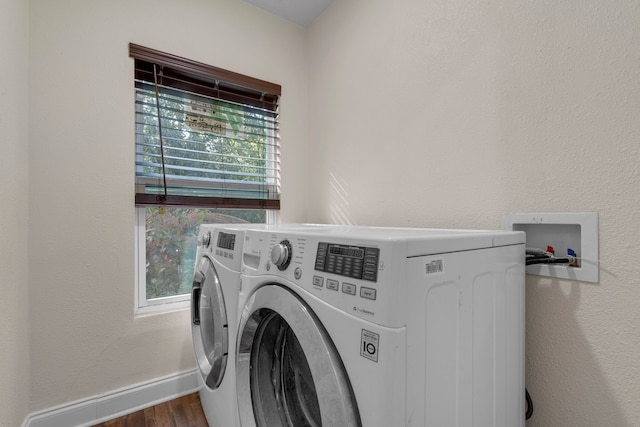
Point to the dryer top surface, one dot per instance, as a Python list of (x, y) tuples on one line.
[(418, 241)]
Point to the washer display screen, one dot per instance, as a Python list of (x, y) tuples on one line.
[(348, 251), (358, 262), (226, 241)]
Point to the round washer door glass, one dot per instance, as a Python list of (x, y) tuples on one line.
[(289, 374), (209, 323)]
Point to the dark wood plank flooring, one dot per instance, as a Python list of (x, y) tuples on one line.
[(184, 411)]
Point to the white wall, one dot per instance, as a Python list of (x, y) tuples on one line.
[(452, 113), (84, 337), (475, 108), (14, 214)]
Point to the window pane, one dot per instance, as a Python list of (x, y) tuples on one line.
[(171, 235)]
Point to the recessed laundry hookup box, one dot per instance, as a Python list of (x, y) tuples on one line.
[(563, 231)]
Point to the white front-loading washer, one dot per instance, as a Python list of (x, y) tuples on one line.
[(378, 327), (214, 320)]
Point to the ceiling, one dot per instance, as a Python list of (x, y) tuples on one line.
[(301, 12)]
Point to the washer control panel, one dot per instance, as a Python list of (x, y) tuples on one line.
[(223, 246), (357, 262), (348, 274)]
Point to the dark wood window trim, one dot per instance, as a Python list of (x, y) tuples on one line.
[(198, 68)]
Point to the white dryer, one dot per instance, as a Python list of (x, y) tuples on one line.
[(214, 320), (376, 327)]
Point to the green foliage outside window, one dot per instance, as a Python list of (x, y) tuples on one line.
[(171, 239)]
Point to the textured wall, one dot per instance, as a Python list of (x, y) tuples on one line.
[(450, 113), (14, 214), (424, 113), (85, 339)]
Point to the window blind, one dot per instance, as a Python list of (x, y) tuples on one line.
[(205, 136)]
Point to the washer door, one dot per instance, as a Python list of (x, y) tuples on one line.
[(209, 323), (289, 373)]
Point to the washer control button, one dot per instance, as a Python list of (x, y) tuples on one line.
[(297, 273), (348, 288), (368, 293), (333, 284), (318, 281)]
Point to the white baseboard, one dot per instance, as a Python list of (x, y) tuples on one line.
[(103, 407)]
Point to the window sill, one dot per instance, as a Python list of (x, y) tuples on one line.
[(162, 308)]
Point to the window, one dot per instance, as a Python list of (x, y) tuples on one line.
[(207, 151)]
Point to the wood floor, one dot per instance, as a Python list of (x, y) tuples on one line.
[(185, 411)]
